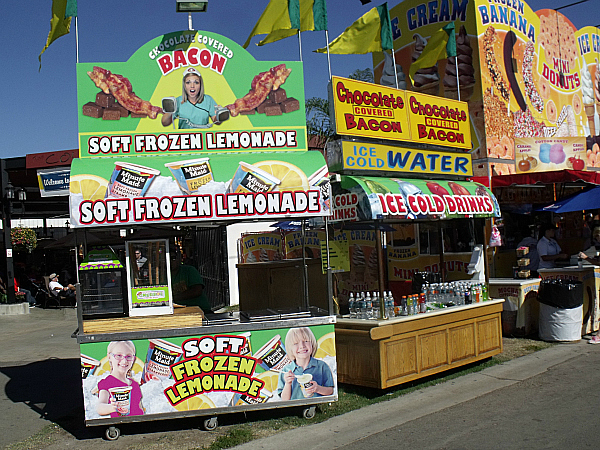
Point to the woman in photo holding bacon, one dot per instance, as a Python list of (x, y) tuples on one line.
[(193, 107)]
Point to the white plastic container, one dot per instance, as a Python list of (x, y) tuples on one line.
[(558, 324)]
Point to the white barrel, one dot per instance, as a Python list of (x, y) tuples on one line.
[(558, 324)]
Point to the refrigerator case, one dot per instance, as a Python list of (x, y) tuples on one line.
[(103, 282)]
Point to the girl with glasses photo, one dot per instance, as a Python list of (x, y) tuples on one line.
[(119, 394)]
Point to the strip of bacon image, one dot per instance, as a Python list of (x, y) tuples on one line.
[(121, 89), (261, 87)]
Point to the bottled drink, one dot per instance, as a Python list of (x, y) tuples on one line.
[(351, 306), (362, 308), (368, 306), (404, 306), (389, 309), (375, 300), (486, 296), (422, 304), (467, 295)]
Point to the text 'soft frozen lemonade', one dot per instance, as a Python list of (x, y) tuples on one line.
[(130, 180), (88, 365)]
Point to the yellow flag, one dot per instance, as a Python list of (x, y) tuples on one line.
[(59, 24), (370, 33)]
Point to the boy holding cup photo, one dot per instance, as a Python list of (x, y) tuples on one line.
[(305, 376)]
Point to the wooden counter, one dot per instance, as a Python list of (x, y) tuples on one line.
[(385, 353)]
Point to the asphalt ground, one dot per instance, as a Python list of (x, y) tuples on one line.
[(546, 399)]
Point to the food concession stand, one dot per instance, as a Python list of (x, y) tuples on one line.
[(407, 172), (154, 358)]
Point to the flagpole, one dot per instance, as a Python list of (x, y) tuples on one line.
[(300, 44), (328, 58), (395, 70), (76, 40), (457, 77)]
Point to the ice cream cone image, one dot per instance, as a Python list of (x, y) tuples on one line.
[(358, 263), (463, 61), (596, 87), (372, 267), (425, 80), (589, 99), (466, 92), (590, 113)]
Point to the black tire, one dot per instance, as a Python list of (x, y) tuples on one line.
[(112, 433), (210, 424), (309, 413)]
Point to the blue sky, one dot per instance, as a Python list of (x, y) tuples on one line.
[(39, 109)]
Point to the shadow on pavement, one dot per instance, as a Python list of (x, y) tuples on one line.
[(51, 388)]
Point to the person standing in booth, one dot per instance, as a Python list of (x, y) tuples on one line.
[(548, 249)]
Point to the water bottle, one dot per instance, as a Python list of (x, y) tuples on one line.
[(362, 312), (352, 306), (392, 303), (368, 306), (375, 301)]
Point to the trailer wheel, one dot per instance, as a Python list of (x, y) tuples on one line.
[(309, 413), (210, 424), (112, 433)]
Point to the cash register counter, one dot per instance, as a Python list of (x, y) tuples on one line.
[(589, 275), (520, 316), (385, 353)]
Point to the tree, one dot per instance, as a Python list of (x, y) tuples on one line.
[(318, 120)]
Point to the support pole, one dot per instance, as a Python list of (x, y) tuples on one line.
[(380, 266), (6, 220)]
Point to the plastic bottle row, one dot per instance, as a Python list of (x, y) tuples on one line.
[(364, 305)]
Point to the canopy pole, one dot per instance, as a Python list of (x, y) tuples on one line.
[(304, 267), (329, 274), (381, 279)]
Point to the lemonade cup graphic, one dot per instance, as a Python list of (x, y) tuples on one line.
[(305, 381), (88, 365), (130, 180), (159, 359), (122, 398), (251, 179), (191, 174)]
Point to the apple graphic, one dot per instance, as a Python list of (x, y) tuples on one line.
[(436, 189), (545, 153), (458, 189), (578, 164), (524, 165)]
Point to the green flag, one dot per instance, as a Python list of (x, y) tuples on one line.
[(371, 33), (442, 44), (283, 18), (60, 24)]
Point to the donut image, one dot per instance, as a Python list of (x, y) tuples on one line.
[(577, 104), (544, 88), (551, 111), (507, 147)]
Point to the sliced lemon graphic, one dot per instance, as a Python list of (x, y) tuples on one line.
[(104, 366), (326, 346), (195, 403), (292, 178), (91, 187), (270, 379)]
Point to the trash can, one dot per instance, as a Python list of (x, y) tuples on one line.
[(561, 310)]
